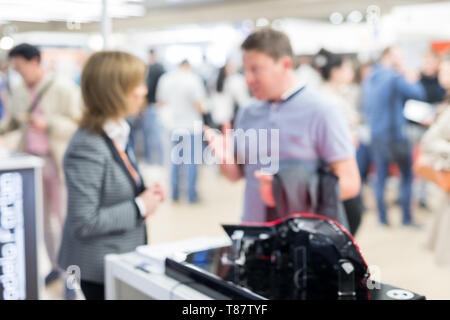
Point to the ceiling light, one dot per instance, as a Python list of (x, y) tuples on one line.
[(336, 18), (248, 24), (277, 24), (262, 22), (6, 43), (355, 16), (68, 10)]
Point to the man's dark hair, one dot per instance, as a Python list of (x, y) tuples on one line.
[(185, 62), (26, 51), (274, 43)]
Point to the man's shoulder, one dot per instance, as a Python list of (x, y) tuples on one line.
[(307, 94), (170, 76), (18, 87), (195, 81), (165, 79), (384, 72), (165, 76), (254, 108), (19, 95), (193, 75), (316, 108), (306, 100), (310, 99)]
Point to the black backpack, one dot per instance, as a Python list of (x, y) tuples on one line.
[(303, 256)]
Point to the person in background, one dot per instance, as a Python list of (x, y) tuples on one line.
[(108, 203), (434, 94), (44, 110), (311, 129), (231, 94), (183, 93), (429, 77), (150, 121), (363, 152), (338, 74), (435, 146), (208, 74), (384, 93), (308, 74)]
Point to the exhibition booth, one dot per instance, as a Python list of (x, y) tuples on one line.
[(300, 257)]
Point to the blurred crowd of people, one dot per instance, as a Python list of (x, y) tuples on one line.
[(363, 115), (370, 96)]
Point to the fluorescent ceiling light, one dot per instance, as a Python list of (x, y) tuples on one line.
[(355, 16), (262, 22), (67, 10), (336, 18)]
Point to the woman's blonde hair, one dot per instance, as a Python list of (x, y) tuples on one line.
[(107, 78)]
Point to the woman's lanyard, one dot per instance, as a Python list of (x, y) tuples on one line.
[(129, 163)]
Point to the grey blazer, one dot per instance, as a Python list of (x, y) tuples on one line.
[(102, 216)]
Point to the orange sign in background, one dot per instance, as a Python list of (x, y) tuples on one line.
[(442, 47)]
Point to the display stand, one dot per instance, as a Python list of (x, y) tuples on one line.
[(20, 227)]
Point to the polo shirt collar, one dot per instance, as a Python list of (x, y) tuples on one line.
[(291, 92)]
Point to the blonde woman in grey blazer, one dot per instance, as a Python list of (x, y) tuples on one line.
[(107, 199)]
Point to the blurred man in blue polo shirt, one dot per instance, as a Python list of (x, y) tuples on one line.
[(311, 129), (384, 94)]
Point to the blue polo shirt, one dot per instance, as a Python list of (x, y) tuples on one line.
[(384, 94), (311, 129)]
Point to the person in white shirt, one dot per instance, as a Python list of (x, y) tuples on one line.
[(337, 85), (231, 94), (183, 94), (208, 74), (307, 74)]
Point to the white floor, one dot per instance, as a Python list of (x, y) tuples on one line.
[(395, 255)]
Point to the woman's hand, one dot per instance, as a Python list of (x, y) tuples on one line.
[(159, 191), (152, 197)]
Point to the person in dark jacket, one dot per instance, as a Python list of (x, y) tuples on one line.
[(435, 93), (429, 77), (148, 122)]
